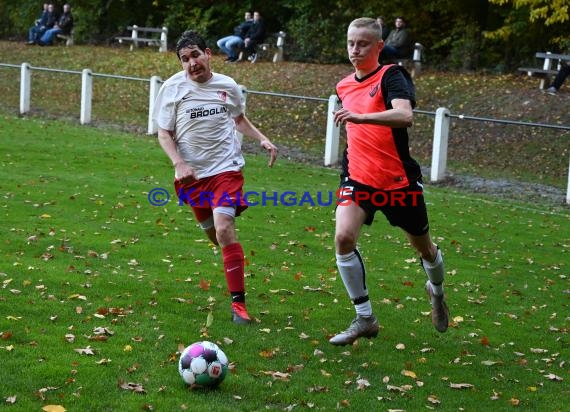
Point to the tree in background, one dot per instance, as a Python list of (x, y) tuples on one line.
[(529, 26)]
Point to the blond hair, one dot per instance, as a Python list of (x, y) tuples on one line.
[(367, 23)]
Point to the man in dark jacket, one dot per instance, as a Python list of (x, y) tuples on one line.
[(255, 36), (45, 22), (399, 43), (63, 26), (231, 45)]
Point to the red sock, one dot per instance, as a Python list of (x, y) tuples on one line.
[(233, 268)]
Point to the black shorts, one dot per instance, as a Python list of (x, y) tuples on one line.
[(404, 207)]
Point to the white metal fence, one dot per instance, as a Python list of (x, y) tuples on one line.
[(331, 151)]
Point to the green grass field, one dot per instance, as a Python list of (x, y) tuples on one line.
[(83, 249)]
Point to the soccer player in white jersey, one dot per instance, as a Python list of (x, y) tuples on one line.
[(198, 112)]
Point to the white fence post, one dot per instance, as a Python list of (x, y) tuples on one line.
[(244, 96), (163, 40), (440, 137), (417, 58), (25, 87), (547, 65), (278, 56), (86, 96), (134, 36), (568, 189), (154, 88), (333, 133)]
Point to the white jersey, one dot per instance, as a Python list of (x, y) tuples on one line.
[(201, 117)]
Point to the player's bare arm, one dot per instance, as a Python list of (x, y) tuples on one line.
[(401, 115), (245, 127), (183, 170)]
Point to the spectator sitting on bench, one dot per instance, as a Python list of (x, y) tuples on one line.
[(231, 45), (63, 26), (254, 36), (46, 21), (563, 73), (398, 44)]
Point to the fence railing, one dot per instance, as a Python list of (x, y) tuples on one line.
[(332, 141)]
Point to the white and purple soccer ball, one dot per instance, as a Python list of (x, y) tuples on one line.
[(203, 364)]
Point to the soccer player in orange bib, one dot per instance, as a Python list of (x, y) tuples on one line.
[(198, 112), (377, 103)]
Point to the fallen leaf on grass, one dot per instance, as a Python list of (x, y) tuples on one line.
[(402, 389), (204, 284), (553, 377), (409, 374), (267, 353), (98, 338), (53, 408), (317, 388), (281, 292), (460, 385), (362, 384), (11, 399), (131, 386), (102, 331), (41, 392), (433, 400), (282, 376), (491, 363), (85, 351)]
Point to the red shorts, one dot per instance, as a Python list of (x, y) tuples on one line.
[(205, 195)]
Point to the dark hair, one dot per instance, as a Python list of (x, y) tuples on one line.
[(190, 38)]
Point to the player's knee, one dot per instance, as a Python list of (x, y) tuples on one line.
[(345, 241)]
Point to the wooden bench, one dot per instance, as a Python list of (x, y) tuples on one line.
[(150, 36), (548, 69), (272, 44), (414, 64), (275, 46), (68, 38)]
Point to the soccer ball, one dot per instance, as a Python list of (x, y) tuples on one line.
[(203, 364)]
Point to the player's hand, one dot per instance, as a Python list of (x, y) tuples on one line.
[(341, 116), (184, 171), (272, 149)]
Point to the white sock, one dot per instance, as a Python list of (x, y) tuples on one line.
[(435, 273), (353, 275)]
